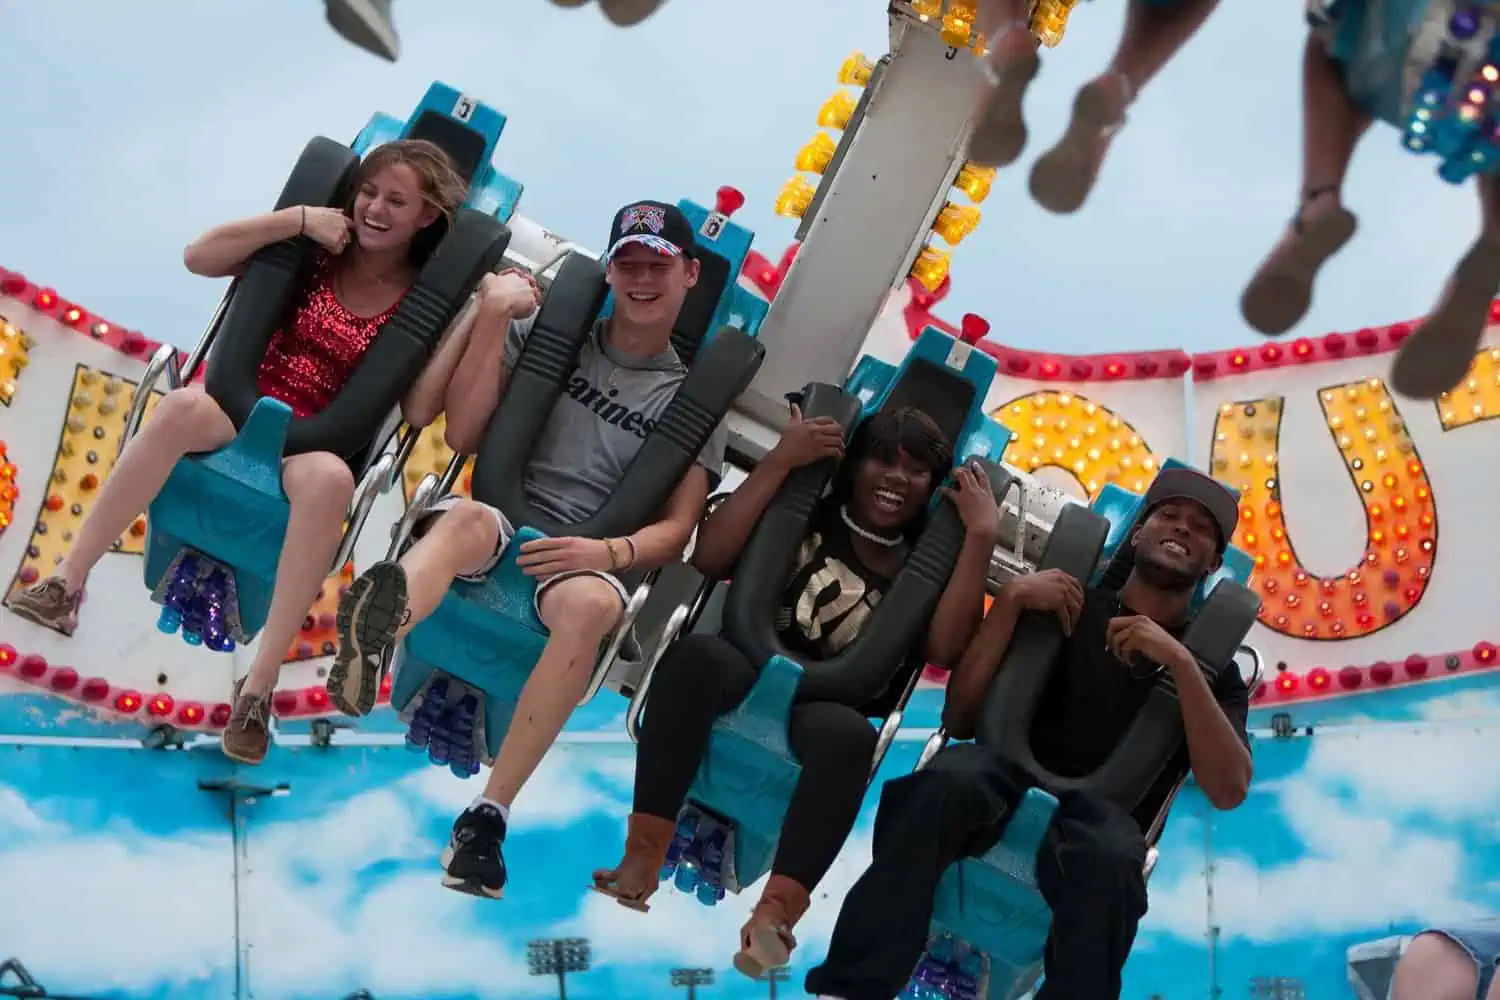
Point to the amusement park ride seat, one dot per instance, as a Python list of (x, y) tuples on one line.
[(460, 671), (214, 532), (728, 831), (989, 909)]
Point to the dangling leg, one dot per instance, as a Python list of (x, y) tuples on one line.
[(999, 126), (1332, 124), (629, 12), (185, 421), (835, 745), (1155, 30), (1439, 353), (579, 611), (318, 487), (699, 679), (459, 538)]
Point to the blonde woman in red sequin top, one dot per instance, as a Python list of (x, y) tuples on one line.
[(365, 266)]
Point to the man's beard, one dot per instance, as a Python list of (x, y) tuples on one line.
[(1168, 579)]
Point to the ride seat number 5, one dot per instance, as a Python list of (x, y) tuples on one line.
[(463, 108)]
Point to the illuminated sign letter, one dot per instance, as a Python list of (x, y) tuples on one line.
[(1079, 436)]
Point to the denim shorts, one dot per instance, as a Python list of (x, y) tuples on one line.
[(1481, 939)]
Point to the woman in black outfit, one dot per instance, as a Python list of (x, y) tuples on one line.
[(857, 540)]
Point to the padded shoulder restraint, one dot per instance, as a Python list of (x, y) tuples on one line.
[(861, 672), (473, 245), (1156, 734), (723, 368)]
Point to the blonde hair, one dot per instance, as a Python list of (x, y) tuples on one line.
[(441, 185)]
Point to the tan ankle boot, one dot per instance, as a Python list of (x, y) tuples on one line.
[(635, 879), (766, 940)]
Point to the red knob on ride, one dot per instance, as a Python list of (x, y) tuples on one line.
[(972, 329), (728, 200)]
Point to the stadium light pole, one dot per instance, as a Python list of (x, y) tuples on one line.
[(692, 979), (774, 976), (558, 957)]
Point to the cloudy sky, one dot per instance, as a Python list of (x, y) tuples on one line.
[(143, 123)]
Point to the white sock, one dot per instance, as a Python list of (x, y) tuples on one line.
[(504, 811)]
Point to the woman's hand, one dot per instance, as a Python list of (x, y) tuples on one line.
[(975, 501), (329, 228), (807, 441), (512, 292)]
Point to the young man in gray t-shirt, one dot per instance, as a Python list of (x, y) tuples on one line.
[(626, 374)]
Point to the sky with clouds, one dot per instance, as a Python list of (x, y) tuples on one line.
[(143, 124), (1349, 836)]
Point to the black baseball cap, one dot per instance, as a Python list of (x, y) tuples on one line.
[(655, 224), (1205, 491)]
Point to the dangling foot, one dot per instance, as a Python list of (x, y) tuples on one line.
[(370, 614), (766, 940), (474, 862), (1438, 354), (999, 125), (47, 603), (1062, 178), (1281, 292), (247, 737), (639, 872), (627, 13)]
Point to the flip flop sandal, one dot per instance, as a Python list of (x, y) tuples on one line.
[(1063, 177), (999, 134), (1281, 292), (763, 949), (1438, 354), (607, 884)]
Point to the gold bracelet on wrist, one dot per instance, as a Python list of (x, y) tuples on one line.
[(614, 556)]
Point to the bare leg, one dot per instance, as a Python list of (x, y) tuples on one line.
[(1439, 353), (319, 487), (185, 421), (1280, 293), (1154, 32), (1434, 968), (389, 599), (999, 129), (579, 612)]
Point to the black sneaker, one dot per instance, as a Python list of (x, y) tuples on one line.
[(472, 861)]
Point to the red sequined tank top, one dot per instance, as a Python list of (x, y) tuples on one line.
[(312, 356)]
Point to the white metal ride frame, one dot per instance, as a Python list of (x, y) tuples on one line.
[(870, 225)]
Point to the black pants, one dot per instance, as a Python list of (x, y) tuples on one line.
[(702, 677), (1089, 869)]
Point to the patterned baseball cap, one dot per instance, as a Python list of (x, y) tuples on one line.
[(655, 224)]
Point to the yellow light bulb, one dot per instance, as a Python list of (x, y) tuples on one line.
[(955, 222), (931, 267), (796, 194), (975, 181), (817, 154), (855, 70), (926, 8), (837, 110), (958, 23), (1049, 20)]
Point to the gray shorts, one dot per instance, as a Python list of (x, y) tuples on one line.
[(487, 566), (1481, 940)]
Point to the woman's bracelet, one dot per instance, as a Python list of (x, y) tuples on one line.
[(631, 561), (614, 554), (302, 226)]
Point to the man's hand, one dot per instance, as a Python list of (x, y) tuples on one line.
[(1050, 590), (512, 292), (544, 557), (807, 441), (1136, 635), (975, 502)]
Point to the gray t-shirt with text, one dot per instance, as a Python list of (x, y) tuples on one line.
[(609, 405)]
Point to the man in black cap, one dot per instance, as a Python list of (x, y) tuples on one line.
[(1090, 868), (624, 377)]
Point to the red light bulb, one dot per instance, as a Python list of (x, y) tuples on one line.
[(1286, 682), (972, 328), (1317, 678), (160, 705), (1050, 369), (128, 702), (728, 200), (190, 714)]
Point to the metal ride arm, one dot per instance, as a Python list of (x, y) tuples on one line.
[(380, 477), (682, 620), (869, 226), (164, 362)]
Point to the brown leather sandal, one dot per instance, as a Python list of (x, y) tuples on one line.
[(1281, 292)]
